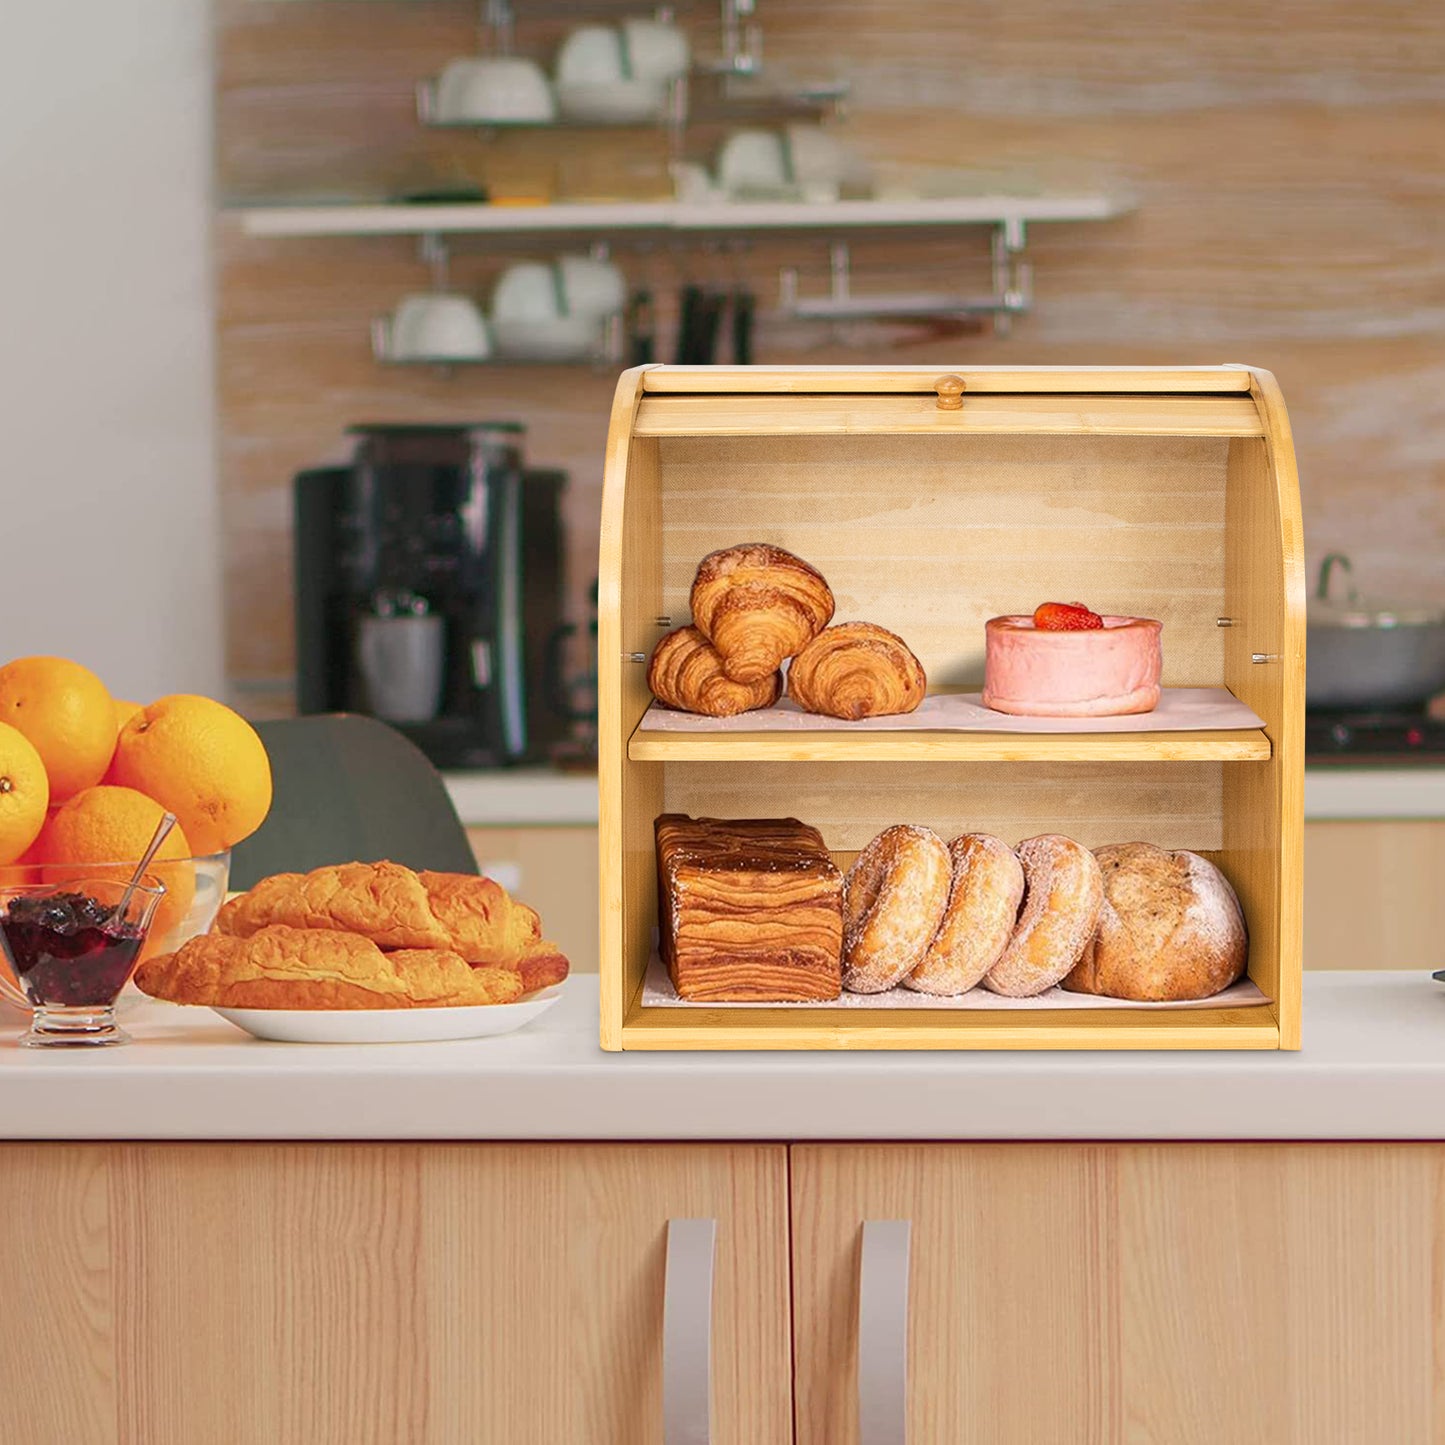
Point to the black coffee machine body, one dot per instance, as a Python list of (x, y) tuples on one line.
[(429, 592)]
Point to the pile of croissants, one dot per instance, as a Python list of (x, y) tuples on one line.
[(754, 607)]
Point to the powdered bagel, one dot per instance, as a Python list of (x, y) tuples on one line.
[(979, 919), (893, 902), (1063, 893)]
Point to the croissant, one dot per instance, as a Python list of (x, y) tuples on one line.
[(687, 673), (856, 670), (395, 907), (319, 968), (758, 605)]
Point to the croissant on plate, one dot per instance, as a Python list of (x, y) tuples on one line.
[(757, 605), (395, 907), (856, 670), (686, 672), (319, 968)]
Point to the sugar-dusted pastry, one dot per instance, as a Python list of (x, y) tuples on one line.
[(856, 670), (395, 908), (1063, 893), (319, 968), (983, 907), (750, 909), (686, 672), (1066, 661), (1171, 928), (758, 604), (893, 902)]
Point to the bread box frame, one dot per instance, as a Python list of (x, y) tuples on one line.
[(1154, 491)]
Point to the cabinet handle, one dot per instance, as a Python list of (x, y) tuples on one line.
[(883, 1332), (687, 1332)]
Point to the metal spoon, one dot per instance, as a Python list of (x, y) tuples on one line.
[(167, 822)]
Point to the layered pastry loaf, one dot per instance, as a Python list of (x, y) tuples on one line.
[(1109, 669), (751, 909)]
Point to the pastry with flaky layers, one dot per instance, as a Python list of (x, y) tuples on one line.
[(856, 670), (751, 909), (319, 968), (395, 907), (686, 672), (758, 604)]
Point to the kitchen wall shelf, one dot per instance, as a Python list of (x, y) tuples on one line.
[(652, 217)]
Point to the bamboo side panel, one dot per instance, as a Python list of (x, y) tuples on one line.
[(1264, 807), (895, 415), (931, 536)]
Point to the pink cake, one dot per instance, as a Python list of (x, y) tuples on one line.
[(1103, 672)]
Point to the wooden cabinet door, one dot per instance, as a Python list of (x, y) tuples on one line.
[(377, 1294), (554, 870), (1184, 1294), (1372, 894)]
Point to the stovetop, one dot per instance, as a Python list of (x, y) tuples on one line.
[(1398, 738)]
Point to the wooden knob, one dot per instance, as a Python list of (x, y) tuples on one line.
[(950, 393)]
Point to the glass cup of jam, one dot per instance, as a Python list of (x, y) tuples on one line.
[(71, 950)]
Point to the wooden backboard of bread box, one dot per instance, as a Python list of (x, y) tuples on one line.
[(1172, 493)]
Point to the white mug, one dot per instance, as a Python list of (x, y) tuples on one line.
[(438, 326), (492, 90)]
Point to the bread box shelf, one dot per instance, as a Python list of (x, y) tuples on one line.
[(1236, 745), (1166, 493)]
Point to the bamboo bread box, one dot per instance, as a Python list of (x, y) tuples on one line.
[(931, 501)]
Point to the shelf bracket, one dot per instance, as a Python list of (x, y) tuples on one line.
[(1010, 295), (1013, 279)]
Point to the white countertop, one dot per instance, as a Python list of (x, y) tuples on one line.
[(1360, 793), (1373, 1067), (524, 797)]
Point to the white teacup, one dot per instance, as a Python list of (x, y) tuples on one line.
[(817, 159), (755, 162), (656, 50), (493, 90), (556, 338), (438, 326), (555, 312), (613, 102), (591, 287), (528, 291), (592, 55)]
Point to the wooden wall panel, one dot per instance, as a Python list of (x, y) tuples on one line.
[(1285, 166)]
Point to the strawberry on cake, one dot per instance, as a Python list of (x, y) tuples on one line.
[(1066, 661)]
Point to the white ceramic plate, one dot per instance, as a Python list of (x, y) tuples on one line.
[(390, 1025)]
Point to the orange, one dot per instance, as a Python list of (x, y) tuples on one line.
[(24, 793), (124, 712), (203, 762), (109, 825), (66, 712)]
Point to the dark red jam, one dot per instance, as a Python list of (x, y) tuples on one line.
[(67, 949)]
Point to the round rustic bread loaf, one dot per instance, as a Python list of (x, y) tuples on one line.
[(1171, 928)]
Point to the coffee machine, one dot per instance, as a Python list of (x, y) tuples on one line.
[(429, 591)]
